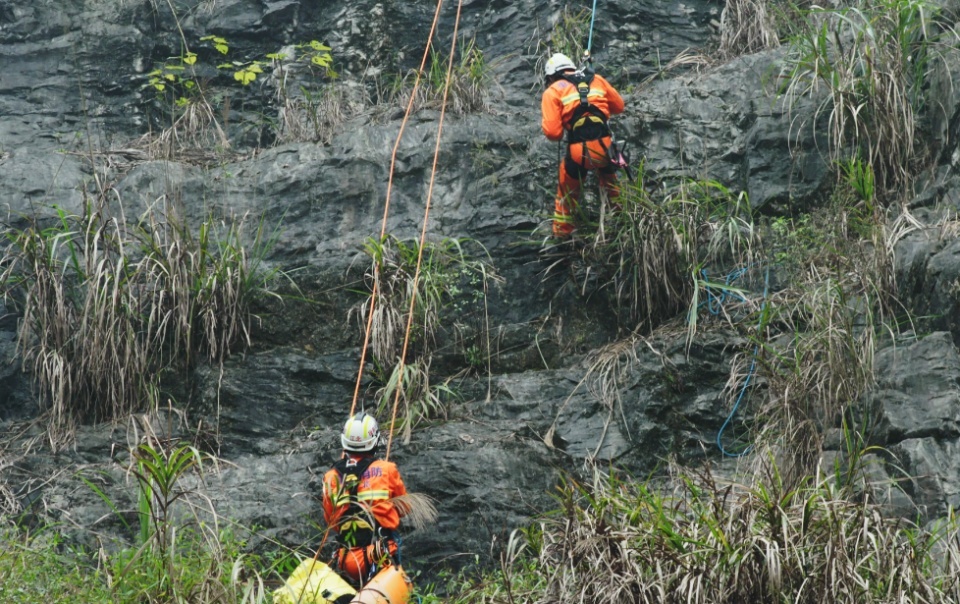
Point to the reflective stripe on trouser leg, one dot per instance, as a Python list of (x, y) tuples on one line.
[(568, 196)]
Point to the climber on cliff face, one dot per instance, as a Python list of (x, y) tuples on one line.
[(579, 103), (356, 502)]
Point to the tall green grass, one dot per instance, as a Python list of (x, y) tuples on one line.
[(183, 552), (834, 305), (180, 551), (814, 296), (35, 568)]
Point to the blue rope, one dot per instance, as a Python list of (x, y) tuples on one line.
[(750, 372), (593, 18), (715, 301)]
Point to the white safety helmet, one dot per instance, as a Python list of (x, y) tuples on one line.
[(558, 63), (361, 433)]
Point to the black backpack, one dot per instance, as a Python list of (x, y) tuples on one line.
[(357, 528), (587, 123)]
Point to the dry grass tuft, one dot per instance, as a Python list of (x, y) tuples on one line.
[(722, 543), (647, 252), (417, 510), (319, 115), (817, 334), (107, 305), (449, 278), (8, 499), (195, 131), (472, 84), (746, 27), (870, 59)]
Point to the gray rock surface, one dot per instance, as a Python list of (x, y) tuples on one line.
[(71, 98)]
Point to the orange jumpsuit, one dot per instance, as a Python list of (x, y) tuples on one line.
[(560, 100), (379, 483)]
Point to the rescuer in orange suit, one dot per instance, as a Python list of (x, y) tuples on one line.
[(579, 104), (356, 502)]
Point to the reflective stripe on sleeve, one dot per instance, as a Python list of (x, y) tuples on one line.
[(371, 495)]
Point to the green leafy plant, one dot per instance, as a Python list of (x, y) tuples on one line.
[(189, 116), (305, 109), (158, 473), (312, 104), (858, 176), (182, 553)]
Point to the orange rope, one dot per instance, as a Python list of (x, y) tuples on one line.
[(423, 231), (383, 229), (386, 207)]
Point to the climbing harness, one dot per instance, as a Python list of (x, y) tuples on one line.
[(587, 123), (716, 304), (355, 529)]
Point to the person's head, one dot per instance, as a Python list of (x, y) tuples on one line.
[(361, 434), (556, 66)]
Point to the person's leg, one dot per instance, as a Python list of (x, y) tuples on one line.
[(597, 157), (568, 196), (609, 184), (353, 565)]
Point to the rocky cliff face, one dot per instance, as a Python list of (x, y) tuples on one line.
[(72, 103)]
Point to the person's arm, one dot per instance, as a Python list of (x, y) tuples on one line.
[(552, 110), (397, 488), (329, 489), (382, 488), (615, 102)]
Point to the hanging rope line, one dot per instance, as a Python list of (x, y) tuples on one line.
[(386, 206), (423, 231), (750, 372), (593, 18)]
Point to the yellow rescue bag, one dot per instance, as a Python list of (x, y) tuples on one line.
[(312, 582)]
